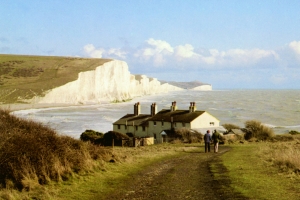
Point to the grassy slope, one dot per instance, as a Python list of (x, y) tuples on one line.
[(257, 178), (23, 77), (249, 173)]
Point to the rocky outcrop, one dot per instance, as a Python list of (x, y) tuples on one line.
[(111, 81)]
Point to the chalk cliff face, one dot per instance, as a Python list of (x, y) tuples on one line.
[(108, 82), (203, 88)]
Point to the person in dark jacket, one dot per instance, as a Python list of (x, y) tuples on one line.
[(207, 141), (216, 139)]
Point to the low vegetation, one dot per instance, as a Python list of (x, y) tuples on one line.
[(230, 126), (32, 154), (184, 135), (292, 132), (37, 163), (92, 136), (255, 129), (262, 170), (284, 155)]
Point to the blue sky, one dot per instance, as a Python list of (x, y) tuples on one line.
[(229, 44)]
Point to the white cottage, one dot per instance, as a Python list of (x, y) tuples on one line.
[(153, 124), (168, 119)]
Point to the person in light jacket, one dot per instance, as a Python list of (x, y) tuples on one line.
[(216, 137), (207, 141)]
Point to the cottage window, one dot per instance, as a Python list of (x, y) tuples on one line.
[(119, 126), (154, 135), (136, 128), (212, 123), (154, 123), (144, 128), (183, 124), (162, 123)]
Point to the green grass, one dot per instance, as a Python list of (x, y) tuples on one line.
[(23, 77), (255, 177), (100, 182)]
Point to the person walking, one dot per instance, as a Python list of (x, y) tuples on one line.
[(216, 139), (207, 140)]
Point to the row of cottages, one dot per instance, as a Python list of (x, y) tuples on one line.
[(154, 125)]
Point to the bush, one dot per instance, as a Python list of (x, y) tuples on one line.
[(230, 126), (92, 136), (117, 137), (294, 132), (186, 135), (32, 154), (255, 129)]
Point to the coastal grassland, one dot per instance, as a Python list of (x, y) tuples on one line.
[(38, 163), (116, 175), (33, 155), (264, 170), (103, 180), (23, 77)]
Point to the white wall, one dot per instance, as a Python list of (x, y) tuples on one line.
[(204, 121)]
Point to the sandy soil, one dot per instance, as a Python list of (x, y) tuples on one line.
[(185, 177)]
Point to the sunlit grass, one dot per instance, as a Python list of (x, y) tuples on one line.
[(254, 176)]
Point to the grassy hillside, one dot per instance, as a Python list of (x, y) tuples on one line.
[(23, 77)]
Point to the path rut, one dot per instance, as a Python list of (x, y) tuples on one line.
[(188, 176)]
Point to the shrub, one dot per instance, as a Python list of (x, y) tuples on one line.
[(230, 126), (92, 136), (186, 135), (32, 154), (294, 132), (255, 129), (282, 138), (113, 136)]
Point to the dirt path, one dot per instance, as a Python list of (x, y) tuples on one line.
[(185, 177)]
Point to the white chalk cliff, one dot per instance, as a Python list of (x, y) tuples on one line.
[(108, 82), (203, 88)]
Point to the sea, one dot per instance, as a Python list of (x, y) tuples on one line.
[(278, 109)]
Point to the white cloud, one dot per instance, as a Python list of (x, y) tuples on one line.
[(161, 53), (185, 51), (117, 52), (254, 67), (92, 51), (295, 46), (156, 51), (160, 46), (246, 57), (89, 48)]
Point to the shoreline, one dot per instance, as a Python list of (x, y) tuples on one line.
[(18, 107)]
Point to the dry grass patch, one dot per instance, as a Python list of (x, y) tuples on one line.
[(252, 174), (32, 154), (284, 155)]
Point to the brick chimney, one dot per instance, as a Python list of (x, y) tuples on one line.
[(192, 107), (173, 106), (153, 109), (137, 108)]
